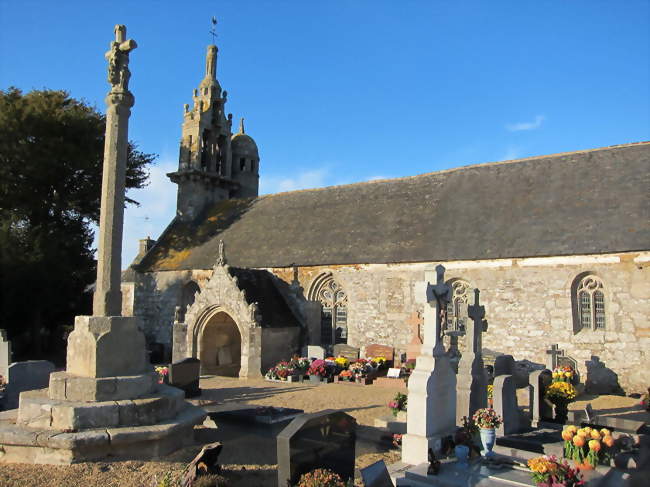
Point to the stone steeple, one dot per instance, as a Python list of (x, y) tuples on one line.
[(204, 174)]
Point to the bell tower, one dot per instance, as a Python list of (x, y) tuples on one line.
[(204, 174)]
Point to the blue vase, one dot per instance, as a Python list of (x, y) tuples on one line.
[(488, 437), (462, 454)]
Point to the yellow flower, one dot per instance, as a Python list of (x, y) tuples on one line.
[(605, 432)]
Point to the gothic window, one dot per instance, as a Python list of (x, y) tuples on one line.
[(589, 299), (334, 313), (457, 306)]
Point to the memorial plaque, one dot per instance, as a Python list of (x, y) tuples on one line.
[(344, 350), (393, 373), (185, 375), (325, 439)]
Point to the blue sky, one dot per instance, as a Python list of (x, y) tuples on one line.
[(345, 91)]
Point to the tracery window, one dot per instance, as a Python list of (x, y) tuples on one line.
[(457, 305), (589, 299), (334, 312)]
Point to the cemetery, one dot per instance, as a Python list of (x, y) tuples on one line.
[(260, 382)]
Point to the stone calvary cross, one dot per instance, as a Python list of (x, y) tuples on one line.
[(441, 293), (107, 300)]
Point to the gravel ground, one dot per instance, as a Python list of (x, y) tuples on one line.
[(243, 458)]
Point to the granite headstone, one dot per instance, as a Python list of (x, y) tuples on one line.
[(325, 439), (185, 375)]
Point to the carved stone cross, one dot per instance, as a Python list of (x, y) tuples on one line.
[(221, 260), (415, 322), (553, 354), (441, 293), (118, 60), (476, 326)]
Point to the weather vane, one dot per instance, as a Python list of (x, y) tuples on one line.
[(213, 31)]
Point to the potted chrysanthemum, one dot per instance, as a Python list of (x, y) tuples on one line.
[(487, 420), (561, 393)]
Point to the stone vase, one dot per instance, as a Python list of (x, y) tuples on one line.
[(462, 454), (488, 438)]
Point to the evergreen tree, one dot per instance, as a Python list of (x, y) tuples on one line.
[(51, 152)]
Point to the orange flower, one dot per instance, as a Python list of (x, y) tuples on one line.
[(605, 432), (581, 432), (609, 441), (595, 434), (579, 440), (594, 445), (587, 430), (572, 428), (567, 435)]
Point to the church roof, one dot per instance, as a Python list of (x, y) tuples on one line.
[(587, 202)]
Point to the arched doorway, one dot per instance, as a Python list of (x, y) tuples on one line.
[(220, 346)]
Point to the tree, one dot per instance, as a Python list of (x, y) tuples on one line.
[(51, 151)]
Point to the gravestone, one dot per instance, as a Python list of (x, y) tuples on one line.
[(26, 376), (540, 408), (504, 365), (552, 356), (5, 354), (185, 375), (600, 379), (415, 324), (504, 396), (432, 385), (325, 439), (315, 351), (344, 350), (471, 379), (375, 350), (376, 475), (179, 342)]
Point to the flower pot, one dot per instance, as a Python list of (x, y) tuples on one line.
[(561, 412), (462, 454), (488, 437)]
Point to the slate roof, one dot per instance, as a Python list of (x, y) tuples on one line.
[(588, 202), (259, 288)]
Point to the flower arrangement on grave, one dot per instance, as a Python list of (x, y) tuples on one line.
[(318, 367), (320, 477), (360, 368), (162, 372), (397, 440), (378, 362), (548, 471), (562, 374), (399, 403), (300, 364), (588, 445), (561, 393), (465, 434), (342, 362), (487, 418), (346, 375)]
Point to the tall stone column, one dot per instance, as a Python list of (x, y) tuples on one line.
[(106, 356), (107, 300), (432, 385)]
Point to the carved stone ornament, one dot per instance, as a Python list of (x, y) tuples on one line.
[(118, 60)]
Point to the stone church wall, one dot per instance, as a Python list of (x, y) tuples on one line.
[(528, 306)]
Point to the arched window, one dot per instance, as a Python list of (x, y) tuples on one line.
[(589, 303), (457, 306), (334, 311)]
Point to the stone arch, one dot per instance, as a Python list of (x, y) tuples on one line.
[(457, 305), (218, 341), (221, 294)]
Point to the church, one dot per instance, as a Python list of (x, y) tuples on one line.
[(559, 246)]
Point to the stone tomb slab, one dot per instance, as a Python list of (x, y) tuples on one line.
[(325, 439), (185, 375), (376, 475), (532, 443)]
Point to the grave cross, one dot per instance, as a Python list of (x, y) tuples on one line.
[(441, 293), (476, 326), (553, 354)]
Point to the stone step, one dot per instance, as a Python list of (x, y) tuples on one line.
[(22, 444), (37, 410)]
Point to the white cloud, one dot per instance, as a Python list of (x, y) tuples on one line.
[(377, 178), (534, 125), (316, 178)]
